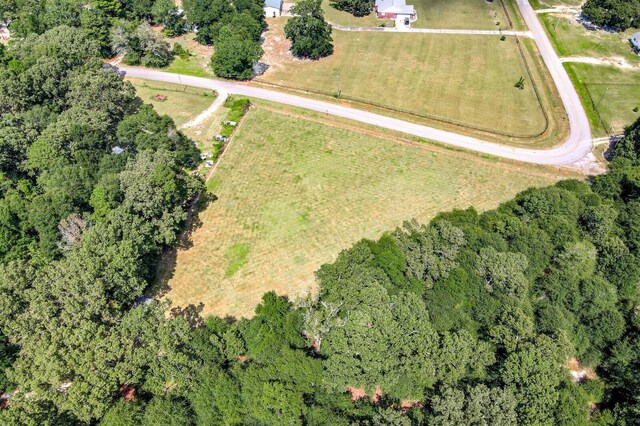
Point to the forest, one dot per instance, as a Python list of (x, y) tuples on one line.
[(615, 14), (526, 314)]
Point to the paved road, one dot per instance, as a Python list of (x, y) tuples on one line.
[(575, 148), (432, 31)]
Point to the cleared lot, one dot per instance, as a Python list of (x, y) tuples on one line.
[(182, 103), (291, 192)]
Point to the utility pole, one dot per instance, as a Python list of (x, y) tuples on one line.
[(338, 79), (555, 27), (601, 97)]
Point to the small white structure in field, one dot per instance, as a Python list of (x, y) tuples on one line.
[(272, 8), (117, 150), (635, 42), (209, 163)]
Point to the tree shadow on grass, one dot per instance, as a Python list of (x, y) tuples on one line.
[(166, 266), (191, 313)]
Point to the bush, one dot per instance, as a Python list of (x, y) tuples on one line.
[(354, 7), (181, 52), (132, 58)]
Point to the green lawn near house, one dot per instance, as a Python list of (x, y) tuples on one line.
[(572, 39), (294, 189), (452, 14)]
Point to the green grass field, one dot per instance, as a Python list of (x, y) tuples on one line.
[(572, 39), (466, 80), (183, 103), (544, 4), (451, 14), (197, 64), (616, 93), (291, 192)]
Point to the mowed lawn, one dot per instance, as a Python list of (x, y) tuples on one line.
[(615, 92), (182, 103), (572, 39), (465, 80), (450, 14), (290, 193)]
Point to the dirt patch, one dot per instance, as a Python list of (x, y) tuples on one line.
[(614, 61), (127, 392), (359, 393), (4, 34), (277, 48), (578, 372)]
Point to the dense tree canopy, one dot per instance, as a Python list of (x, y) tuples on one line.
[(210, 16), (308, 31), (101, 21), (616, 14), (235, 54), (354, 7)]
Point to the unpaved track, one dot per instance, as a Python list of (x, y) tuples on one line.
[(431, 31), (574, 149), (202, 117)]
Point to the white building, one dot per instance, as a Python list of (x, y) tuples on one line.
[(404, 14), (635, 41), (272, 8)]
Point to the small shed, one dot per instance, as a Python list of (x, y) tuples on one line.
[(272, 8), (635, 42)]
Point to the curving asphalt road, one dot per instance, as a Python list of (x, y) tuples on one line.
[(575, 148)]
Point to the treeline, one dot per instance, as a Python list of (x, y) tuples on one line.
[(81, 228), (117, 26), (616, 14)]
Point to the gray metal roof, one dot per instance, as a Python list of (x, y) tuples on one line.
[(276, 4), (394, 6), (635, 39)]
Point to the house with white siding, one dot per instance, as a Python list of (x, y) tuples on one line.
[(404, 14), (635, 42), (272, 8)]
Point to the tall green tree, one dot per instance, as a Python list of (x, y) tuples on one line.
[(308, 31)]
